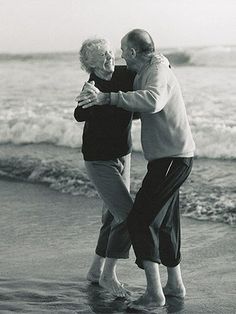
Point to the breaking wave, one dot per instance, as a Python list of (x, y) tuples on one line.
[(59, 131), (222, 56)]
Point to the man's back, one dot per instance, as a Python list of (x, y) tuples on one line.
[(166, 132)]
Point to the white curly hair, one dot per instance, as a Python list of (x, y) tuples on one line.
[(86, 53)]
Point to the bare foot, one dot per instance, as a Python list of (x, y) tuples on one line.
[(93, 277), (96, 269), (114, 286), (172, 291), (146, 301)]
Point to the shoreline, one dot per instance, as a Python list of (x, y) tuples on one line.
[(208, 194)]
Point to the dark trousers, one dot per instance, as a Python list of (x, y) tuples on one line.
[(154, 221)]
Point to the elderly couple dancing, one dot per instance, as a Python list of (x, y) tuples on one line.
[(150, 223)]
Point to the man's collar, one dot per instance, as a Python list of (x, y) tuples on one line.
[(157, 58)]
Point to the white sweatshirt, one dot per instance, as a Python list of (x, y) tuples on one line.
[(165, 130)]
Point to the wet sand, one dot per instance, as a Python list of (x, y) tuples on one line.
[(208, 194), (47, 243)]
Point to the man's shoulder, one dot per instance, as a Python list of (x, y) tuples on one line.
[(160, 66), (159, 69)]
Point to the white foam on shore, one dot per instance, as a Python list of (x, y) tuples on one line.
[(209, 194)]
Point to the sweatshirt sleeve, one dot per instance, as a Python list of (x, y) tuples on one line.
[(151, 98), (81, 114)]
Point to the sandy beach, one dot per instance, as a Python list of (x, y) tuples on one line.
[(47, 243)]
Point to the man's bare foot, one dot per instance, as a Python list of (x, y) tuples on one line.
[(147, 301), (174, 291), (114, 286)]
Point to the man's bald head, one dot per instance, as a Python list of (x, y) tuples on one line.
[(141, 41)]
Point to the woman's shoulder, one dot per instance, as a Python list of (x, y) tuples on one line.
[(122, 70), (123, 77)]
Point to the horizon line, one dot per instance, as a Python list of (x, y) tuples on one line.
[(115, 49)]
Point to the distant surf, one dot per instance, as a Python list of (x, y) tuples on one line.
[(205, 56), (194, 56)]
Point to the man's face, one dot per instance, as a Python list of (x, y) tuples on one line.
[(103, 58), (126, 53)]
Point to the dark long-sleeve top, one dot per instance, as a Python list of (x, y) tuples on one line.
[(107, 129)]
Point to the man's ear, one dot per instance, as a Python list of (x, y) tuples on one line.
[(133, 52)]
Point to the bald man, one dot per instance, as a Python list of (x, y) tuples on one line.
[(168, 146)]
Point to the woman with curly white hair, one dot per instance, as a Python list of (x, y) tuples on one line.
[(106, 150)]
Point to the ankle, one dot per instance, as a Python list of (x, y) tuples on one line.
[(107, 276), (156, 297), (175, 284), (155, 294)]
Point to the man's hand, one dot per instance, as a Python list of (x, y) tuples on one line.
[(91, 96)]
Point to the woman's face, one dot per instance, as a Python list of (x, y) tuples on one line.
[(103, 58)]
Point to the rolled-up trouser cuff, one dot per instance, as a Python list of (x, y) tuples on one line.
[(139, 262), (158, 261), (112, 255), (174, 264)]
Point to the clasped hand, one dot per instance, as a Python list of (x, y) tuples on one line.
[(90, 96)]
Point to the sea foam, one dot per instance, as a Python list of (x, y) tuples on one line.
[(212, 140)]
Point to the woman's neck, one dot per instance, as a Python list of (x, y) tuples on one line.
[(105, 75)]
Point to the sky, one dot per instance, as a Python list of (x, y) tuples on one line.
[(62, 25)]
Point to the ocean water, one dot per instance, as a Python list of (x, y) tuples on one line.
[(47, 237), (38, 91), (37, 102)]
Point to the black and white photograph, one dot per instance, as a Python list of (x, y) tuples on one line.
[(117, 156)]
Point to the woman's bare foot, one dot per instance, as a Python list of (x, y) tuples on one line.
[(96, 269), (93, 277), (112, 284), (175, 291), (147, 301)]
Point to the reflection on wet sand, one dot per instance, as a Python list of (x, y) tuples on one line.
[(101, 301)]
